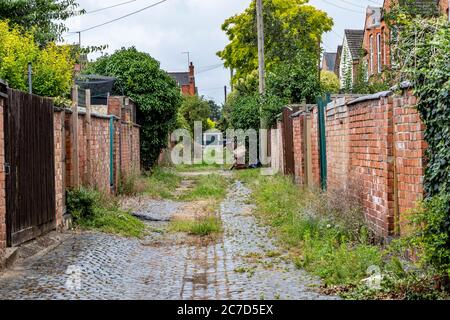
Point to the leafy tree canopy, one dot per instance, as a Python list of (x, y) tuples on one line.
[(195, 108), (288, 25), (296, 80), (44, 18), (329, 82), (157, 96), (52, 65), (216, 110)]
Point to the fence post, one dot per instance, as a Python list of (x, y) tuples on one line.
[(321, 106), (307, 151), (88, 137), (74, 139), (111, 152)]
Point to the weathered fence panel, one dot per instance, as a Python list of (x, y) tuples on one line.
[(29, 155)]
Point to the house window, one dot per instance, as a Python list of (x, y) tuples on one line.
[(371, 54), (379, 52)]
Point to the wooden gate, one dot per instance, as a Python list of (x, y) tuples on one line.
[(30, 166), (288, 140)]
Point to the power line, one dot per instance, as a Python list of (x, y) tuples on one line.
[(113, 6), (340, 7), (122, 17), (210, 68), (352, 4)]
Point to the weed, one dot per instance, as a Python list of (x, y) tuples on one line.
[(326, 248), (91, 209), (162, 183), (200, 227), (211, 186), (132, 184)]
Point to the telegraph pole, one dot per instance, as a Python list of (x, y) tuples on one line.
[(261, 60)]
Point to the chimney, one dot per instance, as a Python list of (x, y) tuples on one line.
[(191, 70), (192, 89)]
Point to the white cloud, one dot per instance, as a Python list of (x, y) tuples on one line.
[(167, 30)]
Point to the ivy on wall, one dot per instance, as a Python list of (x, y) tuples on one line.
[(424, 45)]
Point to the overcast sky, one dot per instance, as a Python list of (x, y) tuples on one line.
[(176, 26)]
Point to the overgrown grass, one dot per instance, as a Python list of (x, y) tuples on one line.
[(200, 227), (319, 244), (213, 186), (198, 167), (93, 210), (132, 184), (162, 183), (326, 237)]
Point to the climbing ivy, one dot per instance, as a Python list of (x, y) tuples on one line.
[(424, 46)]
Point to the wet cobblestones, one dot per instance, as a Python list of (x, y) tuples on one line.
[(164, 266)]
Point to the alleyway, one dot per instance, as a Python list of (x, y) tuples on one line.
[(244, 263)]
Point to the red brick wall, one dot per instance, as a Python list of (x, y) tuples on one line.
[(60, 183), (338, 147), (126, 151), (299, 157), (371, 164), (410, 150), (375, 150), (444, 6), (2, 185)]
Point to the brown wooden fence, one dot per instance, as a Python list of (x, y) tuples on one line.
[(30, 166)]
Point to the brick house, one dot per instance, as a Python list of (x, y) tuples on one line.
[(374, 40), (328, 61), (185, 80), (350, 56), (381, 35)]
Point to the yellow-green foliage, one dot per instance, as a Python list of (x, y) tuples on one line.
[(52, 65), (329, 82)]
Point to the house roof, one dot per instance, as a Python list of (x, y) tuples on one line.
[(354, 41), (330, 59), (182, 78), (337, 63)]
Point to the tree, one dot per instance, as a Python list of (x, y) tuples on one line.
[(194, 108), (288, 26), (329, 82), (44, 18), (242, 110), (52, 65), (216, 110), (157, 96), (296, 80)]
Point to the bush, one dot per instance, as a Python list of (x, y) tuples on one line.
[(52, 65), (81, 203), (431, 221), (157, 96), (91, 209)]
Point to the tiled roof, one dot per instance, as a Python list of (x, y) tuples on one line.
[(354, 40), (182, 78), (337, 63), (330, 59)]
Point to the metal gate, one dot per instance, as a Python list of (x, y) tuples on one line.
[(30, 166)]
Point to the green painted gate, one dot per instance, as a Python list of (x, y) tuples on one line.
[(322, 111)]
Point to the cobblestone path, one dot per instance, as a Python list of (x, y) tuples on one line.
[(242, 264)]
